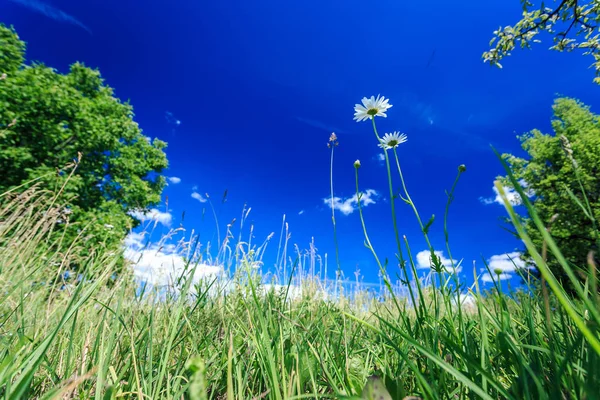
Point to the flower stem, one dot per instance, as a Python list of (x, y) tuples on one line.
[(450, 199), (409, 200), (370, 246), (458, 300), (392, 199), (337, 255)]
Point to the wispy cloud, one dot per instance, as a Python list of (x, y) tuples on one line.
[(503, 266), (174, 180), (349, 205), (417, 108), (321, 125), (424, 260), (513, 197), (51, 12), (171, 119), (164, 218), (301, 212), (199, 197)]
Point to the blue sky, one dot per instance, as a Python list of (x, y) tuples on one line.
[(247, 93)]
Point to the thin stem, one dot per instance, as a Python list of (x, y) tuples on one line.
[(409, 199), (216, 222), (277, 262), (337, 253), (446, 239), (412, 204), (393, 208), (370, 246), (392, 197), (450, 199)]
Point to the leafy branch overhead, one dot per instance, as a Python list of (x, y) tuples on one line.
[(572, 25)]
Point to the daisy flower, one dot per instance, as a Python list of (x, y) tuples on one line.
[(392, 140), (371, 108)]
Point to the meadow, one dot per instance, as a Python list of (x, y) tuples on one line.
[(97, 335)]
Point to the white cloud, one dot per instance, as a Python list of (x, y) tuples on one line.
[(135, 240), (162, 266), (503, 266), (294, 292), (349, 205), (508, 262), (467, 301), (154, 214), (199, 197), (174, 180), (511, 194), (424, 260), (301, 212), (486, 278), (379, 158)]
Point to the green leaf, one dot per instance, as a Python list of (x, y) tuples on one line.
[(428, 224)]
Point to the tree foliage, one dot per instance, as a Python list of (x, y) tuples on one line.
[(12, 50), (562, 174), (50, 120), (572, 24)]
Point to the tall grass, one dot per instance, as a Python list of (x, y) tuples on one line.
[(65, 337)]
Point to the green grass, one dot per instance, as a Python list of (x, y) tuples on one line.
[(99, 339)]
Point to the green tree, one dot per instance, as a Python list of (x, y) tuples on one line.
[(560, 167), (49, 120), (572, 25)]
